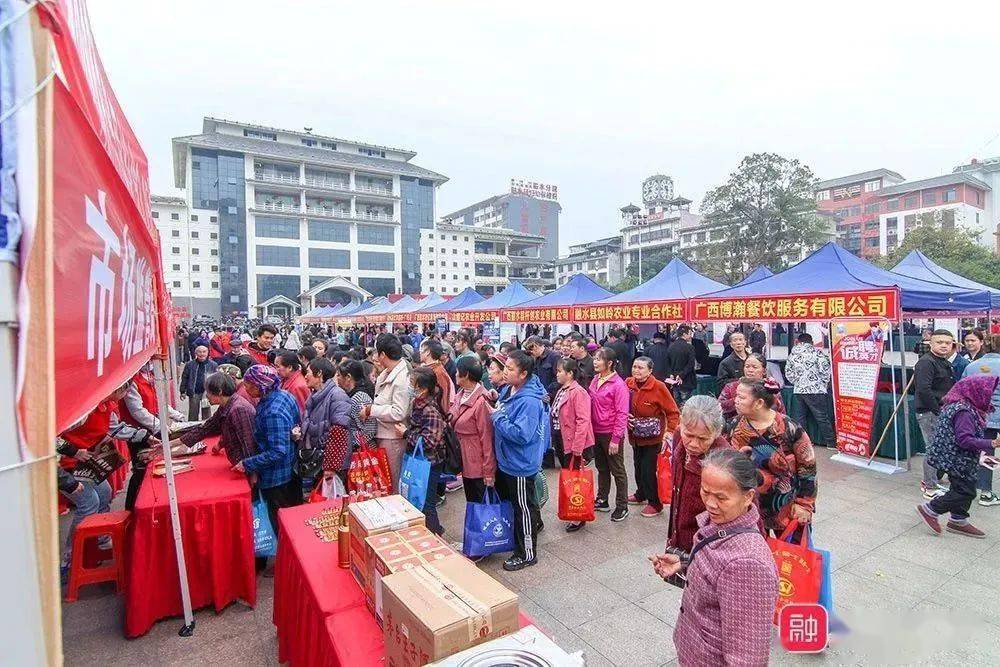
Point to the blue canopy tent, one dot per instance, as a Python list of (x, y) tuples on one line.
[(513, 295), (759, 273), (920, 266), (662, 298), (557, 306), (352, 312), (466, 299)]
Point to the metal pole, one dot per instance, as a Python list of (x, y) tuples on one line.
[(895, 400), (160, 374), (906, 402)]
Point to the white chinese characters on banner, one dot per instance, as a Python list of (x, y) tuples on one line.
[(136, 320)]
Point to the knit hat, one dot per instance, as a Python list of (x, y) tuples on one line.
[(263, 377)]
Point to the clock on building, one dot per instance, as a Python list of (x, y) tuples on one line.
[(657, 189)]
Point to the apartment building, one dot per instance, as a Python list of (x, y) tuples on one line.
[(601, 260), (854, 201)]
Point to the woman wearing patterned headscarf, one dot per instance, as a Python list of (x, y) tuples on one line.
[(277, 414)]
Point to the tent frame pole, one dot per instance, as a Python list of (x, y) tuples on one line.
[(160, 374), (906, 402)]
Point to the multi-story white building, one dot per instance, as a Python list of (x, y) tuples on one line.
[(189, 243), (601, 260), (305, 218), (455, 257), (987, 171), (655, 225)]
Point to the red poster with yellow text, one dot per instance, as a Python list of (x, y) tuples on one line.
[(857, 360)]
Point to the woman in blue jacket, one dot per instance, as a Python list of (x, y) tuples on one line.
[(521, 436)]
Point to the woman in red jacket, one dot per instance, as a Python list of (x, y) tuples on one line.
[(652, 417), (473, 426), (572, 430)]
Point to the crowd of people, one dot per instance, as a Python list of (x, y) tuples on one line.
[(291, 407)]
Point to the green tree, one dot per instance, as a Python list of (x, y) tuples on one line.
[(952, 247), (653, 262), (765, 214)]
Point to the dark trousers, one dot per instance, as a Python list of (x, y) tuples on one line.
[(957, 500), (288, 494), (644, 459), (474, 489), (138, 474), (818, 406), (562, 457), (430, 502), (520, 492), (681, 395), (984, 478), (608, 466)]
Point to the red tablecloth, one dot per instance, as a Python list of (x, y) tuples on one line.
[(319, 609), (217, 526)]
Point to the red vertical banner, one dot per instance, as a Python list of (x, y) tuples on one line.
[(857, 361)]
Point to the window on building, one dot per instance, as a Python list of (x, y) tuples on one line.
[(928, 199), (376, 261), (325, 258), (309, 142), (854, 210), (156, 214), (432, 276), (177, 283), (873, 224), (196, 267), (949, 195), (196, 284), (431, 262), (276, 255), (213, 219), (890, 223), (466, 252), (454, 251), (371, 152), (176, 267), (892, 205), (430, 236), (175, 250), (215, 285), (175, 216), (376, 235), (823, 195), (872, 242), (378, 286), (872, 186), (195, 251), (194, 218), (910, 201), (909, 221), (454, 277), (213, 236), (194, 235), (214, 252), (323, 230), (454, 264), (276, 228), (175, 233), (272, 285), (979, 198), (328, 145), (257, 134), (871, 208)]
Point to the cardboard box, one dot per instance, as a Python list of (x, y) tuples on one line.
[(434, 610), (374, 517), (400, 550)]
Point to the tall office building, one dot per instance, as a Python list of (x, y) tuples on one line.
[(304, 218), (529, 208)]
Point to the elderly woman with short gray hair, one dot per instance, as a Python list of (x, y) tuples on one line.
[(699, 433)]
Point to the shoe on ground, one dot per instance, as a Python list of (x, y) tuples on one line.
[(649, 511), (989, 499), (573, 527), (515, 563), (619, 514), (601, 506), (966, 529), (541, 527), (633, 500), (929, 519), (451, 487), (932, 492), (440, 501)]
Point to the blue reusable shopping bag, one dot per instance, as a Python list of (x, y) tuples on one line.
[(265, 541), (413, 476), (489, 527), (826, 588)]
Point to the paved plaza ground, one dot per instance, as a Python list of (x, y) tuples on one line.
[(909, 597)]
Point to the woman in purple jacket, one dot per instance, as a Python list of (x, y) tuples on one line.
[(609, 416), (732, 584)]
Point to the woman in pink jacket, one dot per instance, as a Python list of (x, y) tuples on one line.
[(609, 415), (470, 418), (572, 431)]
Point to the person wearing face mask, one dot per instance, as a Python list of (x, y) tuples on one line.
[(781, 449), (754, 368), (427, 424), (732, 584), (731, 368)]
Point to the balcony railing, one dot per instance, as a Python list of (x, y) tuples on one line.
[(323, 182), (374, 189), (382, 217), (276, 177), (279, 206), (327, 211)]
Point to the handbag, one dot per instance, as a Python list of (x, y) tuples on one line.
[(800, 568), (576, 492), (664, 476), (647, 427), (265, 541), (308, 462), (336, 448), (328, 489), (368, 475), (414, 475), (680, 579), (452, 448), (489, 526), (541, 488)]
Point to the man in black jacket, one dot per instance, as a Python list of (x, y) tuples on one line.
[(681, 358), (545, 362), (618, 341), (933, 377), (584, 362), (731, 368), (657, 351)]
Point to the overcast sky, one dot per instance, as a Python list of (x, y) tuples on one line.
[(592, 100)]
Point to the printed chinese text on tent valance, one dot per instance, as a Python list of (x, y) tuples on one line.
[(485, 311), (805, 307), (662, 298), (557, 306), (466, 299), (427, 311)]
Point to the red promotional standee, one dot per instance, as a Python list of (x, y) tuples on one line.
[(857, 360), (103, 269)]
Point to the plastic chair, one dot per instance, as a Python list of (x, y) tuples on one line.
[(97, 525)]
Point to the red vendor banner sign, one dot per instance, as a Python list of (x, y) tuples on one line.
[(470, 318), (654, 311), (857, 359), (103, 269), (818, 306)]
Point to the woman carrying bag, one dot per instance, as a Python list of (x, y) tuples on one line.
[(427, 431), (652, 417), (470, 419), (572, 430)]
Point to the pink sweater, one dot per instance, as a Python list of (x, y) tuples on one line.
[(574, 419), (609, 406), (728, 604), (474, 429)]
